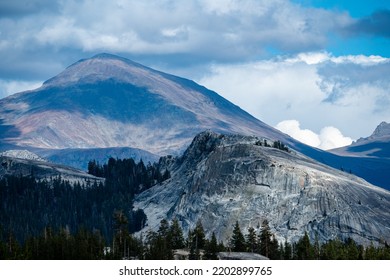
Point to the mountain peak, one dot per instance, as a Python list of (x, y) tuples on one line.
[(382, 130), (113, 58), (103, 66), (107, 55)]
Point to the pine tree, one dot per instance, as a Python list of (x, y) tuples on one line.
[(121, 232), (316, 248), (164, 228), (305, 250), (274, 252), (352, 249), (265, 239), (164, 241), (176, 235), (287, 251), (196, 241), (251, 240), (194, 253), (212, 248), (371, 253), (198, 236), (157, 247), (237, 241)]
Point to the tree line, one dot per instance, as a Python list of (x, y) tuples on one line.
[(164, 243), (267, 245)]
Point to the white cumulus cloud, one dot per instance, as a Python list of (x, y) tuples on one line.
[(293, 128), (331, 138), (328, 138)]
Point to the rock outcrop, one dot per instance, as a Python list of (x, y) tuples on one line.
[(223, 179)]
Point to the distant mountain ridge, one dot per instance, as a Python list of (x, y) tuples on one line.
[(369, 157), (42, 170), (79, 158)]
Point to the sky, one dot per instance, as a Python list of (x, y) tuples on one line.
[(317, 70)]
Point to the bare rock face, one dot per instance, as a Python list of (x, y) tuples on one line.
[(223, 179)]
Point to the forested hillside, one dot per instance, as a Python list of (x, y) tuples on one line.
[(30, 206)]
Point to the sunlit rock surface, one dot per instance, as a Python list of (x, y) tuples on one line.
[(223, 179)]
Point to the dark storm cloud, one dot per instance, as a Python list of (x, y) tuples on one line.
[(377, 24)]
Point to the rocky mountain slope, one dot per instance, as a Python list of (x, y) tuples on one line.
[(369, 157), (42, 170), (223, 179)]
